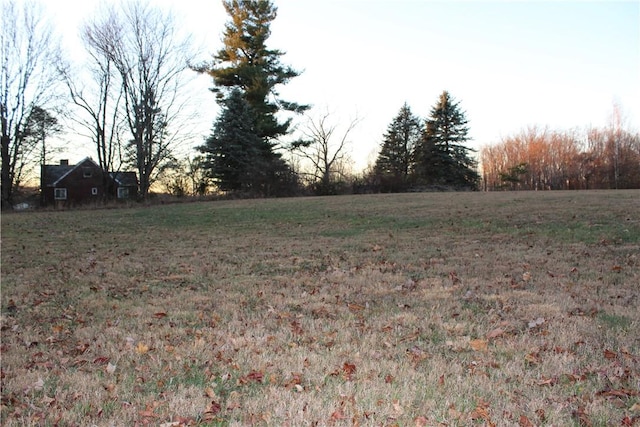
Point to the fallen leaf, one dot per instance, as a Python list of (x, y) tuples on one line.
[(622, 393), (417, 354), (101, 360), (524, 422), (159, 315), (48, 401), (213, 408), (421, 421), (608, 354), (255, 376), (498, 332), (338, 414), (296, 328), (349, 369), (142, 348), (547, 381), (356, 307), (397, 407), (480, 413), (581, 416), (478, 345), (388, 379)]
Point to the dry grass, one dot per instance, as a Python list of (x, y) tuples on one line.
[(409, 310)]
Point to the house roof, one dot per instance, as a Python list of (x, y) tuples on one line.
[(125, 179), (53, 174)]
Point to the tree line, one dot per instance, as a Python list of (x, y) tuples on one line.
[(538, 158), (128, 101)]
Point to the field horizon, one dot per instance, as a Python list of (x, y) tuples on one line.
[(422, 309)]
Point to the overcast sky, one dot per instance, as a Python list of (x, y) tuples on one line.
[(511, 64)]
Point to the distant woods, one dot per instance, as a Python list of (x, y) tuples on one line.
[(538, 158)]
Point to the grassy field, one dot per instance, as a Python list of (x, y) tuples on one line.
[(411, 310)]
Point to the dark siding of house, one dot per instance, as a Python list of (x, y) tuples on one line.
[(84, 183), (79, 184)]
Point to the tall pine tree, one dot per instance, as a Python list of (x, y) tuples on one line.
[(394, 160), (246, 67), (246, 63), (441, 158)]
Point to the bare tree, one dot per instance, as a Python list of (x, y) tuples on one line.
[(325, 150), (151, 61), (98, 100), (28, 81)]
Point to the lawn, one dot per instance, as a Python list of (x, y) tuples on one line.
[(429, 309)]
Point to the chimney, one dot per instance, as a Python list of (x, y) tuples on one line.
[(64, 162)]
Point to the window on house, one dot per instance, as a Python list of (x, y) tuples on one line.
[(87, 172), (60, 194), (94, 191), (123, 192)]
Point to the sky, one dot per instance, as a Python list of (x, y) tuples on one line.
[(510, 64)]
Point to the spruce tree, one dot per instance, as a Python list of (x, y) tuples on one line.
[(233, 151), (394, 160), (238, 160), (441, 158)]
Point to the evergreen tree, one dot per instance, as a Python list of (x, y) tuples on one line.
[(393, 163), (441, 158), (237, 159), (232, 152), (245, 67), (246, 63)]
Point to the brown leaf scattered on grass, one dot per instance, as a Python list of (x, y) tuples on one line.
[(337, 415), (417, 354), (525, 422), (532, 358), (296, 328), (481, 412), (421, 421), (355, 307), (349, 370), (142, 348), (213, 409), (253, 376), (547, 381), (581, 417), (478, 345), (622, 393), (495, 333)]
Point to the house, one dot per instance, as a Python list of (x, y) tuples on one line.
[(84, 182)]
